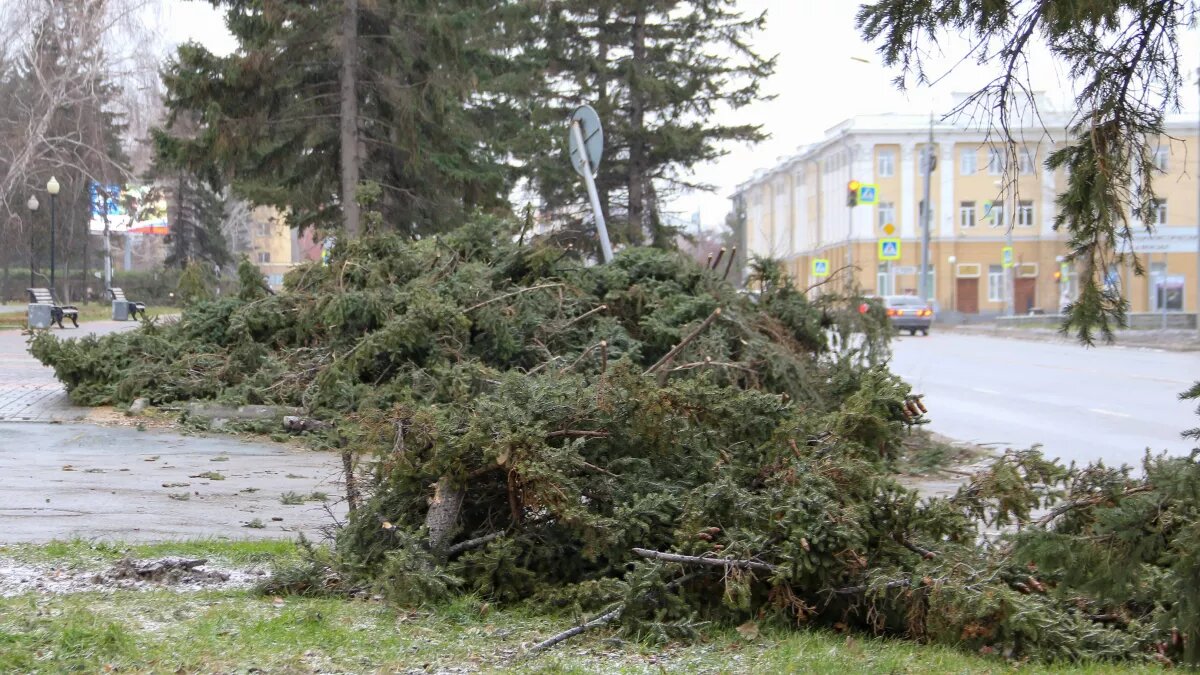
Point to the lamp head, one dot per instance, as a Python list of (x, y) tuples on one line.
[(32, 203), (52, 186)]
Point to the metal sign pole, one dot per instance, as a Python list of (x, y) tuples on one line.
[(593, 195)]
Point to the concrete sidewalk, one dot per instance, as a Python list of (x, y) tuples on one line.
[(28, 390), (1170, 339)]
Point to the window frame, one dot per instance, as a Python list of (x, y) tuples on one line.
[(890, 156), (964, 209), (1160, 212), (882, 208), (264, 257), (1025, 208), (997, 209), (995, 291), (1162, 158), (995, 162), (963, 154), (1025, 162)]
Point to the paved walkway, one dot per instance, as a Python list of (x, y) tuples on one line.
[(28, 390)]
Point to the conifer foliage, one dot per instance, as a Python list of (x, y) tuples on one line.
[(643, 442)]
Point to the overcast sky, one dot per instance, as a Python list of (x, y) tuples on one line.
[(816, 84)]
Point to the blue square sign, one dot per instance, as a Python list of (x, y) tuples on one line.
[(867, 194), (889, 249)]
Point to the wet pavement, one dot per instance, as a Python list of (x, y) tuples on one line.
[(64, 481), (28, 390), (61, 479)]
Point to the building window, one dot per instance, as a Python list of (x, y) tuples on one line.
[(995, 283), (966, 214), (887, 213), (1025, 214), (1165, 289), (1026, 161), (996, 215), (887, 164), (1162, 159), (883, 279), (966, 162), (264, 229), (1160, 212), (264, 256), (995, 162)]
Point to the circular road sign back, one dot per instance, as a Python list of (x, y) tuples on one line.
[(593, 138)]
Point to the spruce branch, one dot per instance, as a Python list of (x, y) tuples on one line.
[(1089, 501), (509, 295), (685, 342), (727, 563)]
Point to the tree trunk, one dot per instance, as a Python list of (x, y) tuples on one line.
[(636, 180), (603, 186), (349, 121), (442, 518)]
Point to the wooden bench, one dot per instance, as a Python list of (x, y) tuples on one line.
[(43, 296), (118, 295)]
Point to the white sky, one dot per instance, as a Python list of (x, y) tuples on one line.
[(816, 83)]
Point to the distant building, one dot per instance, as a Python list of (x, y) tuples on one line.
[(797, 211), (275, 247)]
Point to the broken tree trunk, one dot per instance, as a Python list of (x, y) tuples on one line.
[(442, 516)]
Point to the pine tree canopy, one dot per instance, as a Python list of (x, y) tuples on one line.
[(431, 133), (1123, 56), (657, 73)]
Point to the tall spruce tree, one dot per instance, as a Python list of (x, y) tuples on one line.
[(657, 72), (429, 134), (195, 211)]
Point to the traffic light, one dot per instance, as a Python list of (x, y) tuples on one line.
[(852, 193)]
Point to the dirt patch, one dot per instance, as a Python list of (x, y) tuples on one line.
[(179, 574)]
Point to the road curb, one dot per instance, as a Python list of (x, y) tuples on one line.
[(1173, 341)]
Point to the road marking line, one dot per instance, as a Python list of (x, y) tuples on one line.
[(984, 391), (1102, 411)]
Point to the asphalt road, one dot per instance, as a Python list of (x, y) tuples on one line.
[(1080, 404)]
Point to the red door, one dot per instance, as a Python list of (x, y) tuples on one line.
[(1024, 295), (966, 295)]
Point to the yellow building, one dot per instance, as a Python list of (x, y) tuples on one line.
[(797, 211), (273, 246)]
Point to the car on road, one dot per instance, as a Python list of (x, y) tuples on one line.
[(909, 313)]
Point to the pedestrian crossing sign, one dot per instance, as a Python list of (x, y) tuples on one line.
[(867, 193), (1007, 256), (820, 267), (889, 249)]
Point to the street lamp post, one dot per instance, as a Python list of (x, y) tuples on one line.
[(52, 187), (33, 207)]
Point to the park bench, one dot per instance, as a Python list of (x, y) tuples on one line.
[(118, 295), (43, 296)]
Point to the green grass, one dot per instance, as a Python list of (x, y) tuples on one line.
[(84, 554), (160, 631), (236, 631)]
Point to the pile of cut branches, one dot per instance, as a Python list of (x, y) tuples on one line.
[(644, 442)]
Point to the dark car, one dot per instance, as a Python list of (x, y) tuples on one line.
[(910, 313)]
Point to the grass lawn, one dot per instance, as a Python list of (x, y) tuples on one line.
[(95, 311), (234, 630)]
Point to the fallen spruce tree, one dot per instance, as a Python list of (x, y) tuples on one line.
[(644, 444)]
